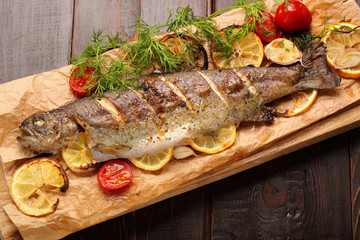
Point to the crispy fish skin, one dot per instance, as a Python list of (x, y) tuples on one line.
[(169, 108)]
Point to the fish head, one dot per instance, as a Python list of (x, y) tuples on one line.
[(48, 132)]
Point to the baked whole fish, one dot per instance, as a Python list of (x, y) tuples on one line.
[(168, 108)]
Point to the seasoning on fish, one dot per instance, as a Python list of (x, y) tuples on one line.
[(169, 108)]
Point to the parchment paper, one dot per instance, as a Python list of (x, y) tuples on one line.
[(86, 203)]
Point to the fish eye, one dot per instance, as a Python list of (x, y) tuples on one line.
[(38, 122)]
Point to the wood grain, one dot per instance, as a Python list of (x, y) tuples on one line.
[(110, 16), (294, 197), (220, 4), (160, 7), (34, 37), (355, 181)]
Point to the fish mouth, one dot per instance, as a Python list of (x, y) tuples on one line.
[(29, 135), (26, 131)]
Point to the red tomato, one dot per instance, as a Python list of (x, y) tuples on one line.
[(78, 82), (293, 16), (267, 29), (114, 175)]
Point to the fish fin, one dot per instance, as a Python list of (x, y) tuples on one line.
[(318, 75)]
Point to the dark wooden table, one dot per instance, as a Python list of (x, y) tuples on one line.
[(308, 194)]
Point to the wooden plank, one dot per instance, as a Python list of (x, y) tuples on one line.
[(160, 7), (355, 181), (220, 4), (355, 178), (110, 16), (35, 36), (180, 217), (303, 195)]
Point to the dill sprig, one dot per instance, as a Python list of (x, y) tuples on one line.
[(97, 46), (148, 50)]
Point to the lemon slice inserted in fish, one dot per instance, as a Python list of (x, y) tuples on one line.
[(214, 142)]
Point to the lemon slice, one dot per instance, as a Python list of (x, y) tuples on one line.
[(216, 141), (34, 184), (296, 103), (77, 156), (282, 51), (195, 52), (247, 51), (153, 162), (342, 41)]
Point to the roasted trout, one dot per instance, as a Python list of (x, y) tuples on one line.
[(168, 108)]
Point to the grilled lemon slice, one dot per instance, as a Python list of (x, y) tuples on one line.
[(214, 142), (34, 184), (153, 162), (296, 103), (246, 51), (77, 156), (342, 41), (194, 53)]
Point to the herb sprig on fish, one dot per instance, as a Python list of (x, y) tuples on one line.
[(120, 74)]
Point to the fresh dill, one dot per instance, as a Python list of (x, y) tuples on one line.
[(97, 46), (149, 51)]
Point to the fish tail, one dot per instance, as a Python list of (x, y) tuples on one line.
[(318, 75)]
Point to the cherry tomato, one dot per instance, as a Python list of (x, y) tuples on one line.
[(114, 175), (78, 82), (267, 29), (293, 16)]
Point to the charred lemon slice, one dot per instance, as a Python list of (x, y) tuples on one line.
[(193, 52), (153, 162), (246, 51), (296, 103), (77, 156), (216, 141), (34, 185), (342, 41), (282, 51)]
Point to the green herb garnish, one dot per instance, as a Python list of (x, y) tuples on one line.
[(120, 74)]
